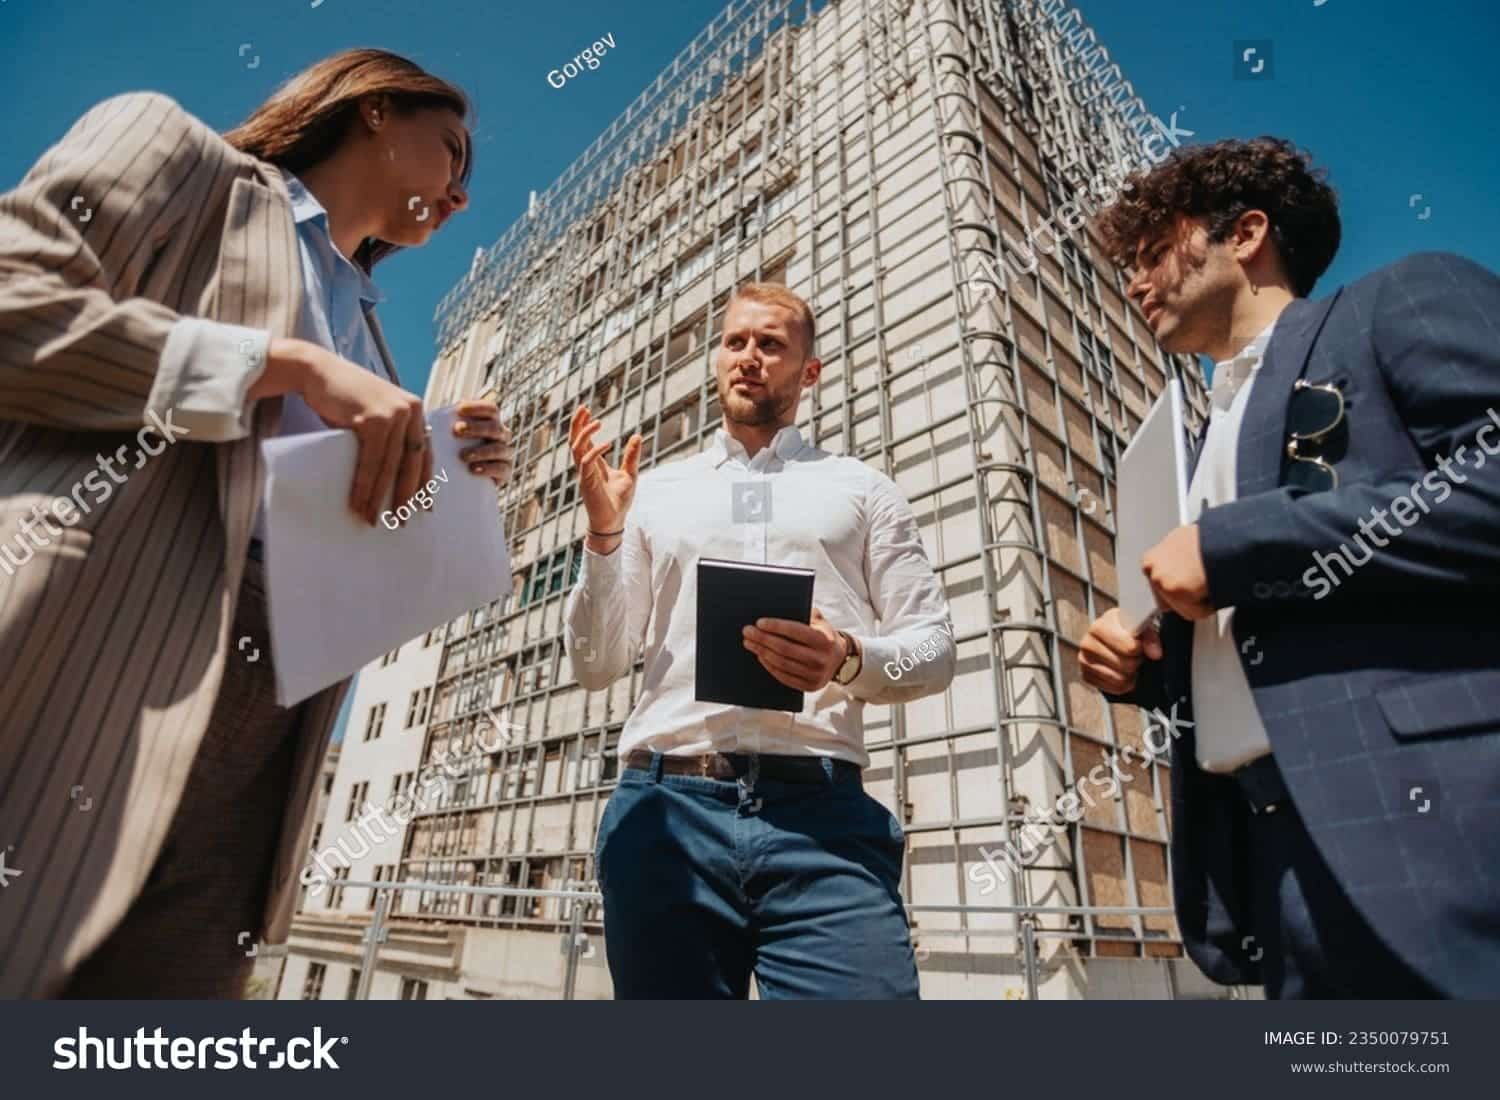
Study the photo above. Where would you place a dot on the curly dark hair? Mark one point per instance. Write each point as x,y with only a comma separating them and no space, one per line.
1218,182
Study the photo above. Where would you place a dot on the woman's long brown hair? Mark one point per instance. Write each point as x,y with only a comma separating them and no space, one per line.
307,118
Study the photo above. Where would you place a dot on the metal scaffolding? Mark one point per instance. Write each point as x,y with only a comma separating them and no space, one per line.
876,156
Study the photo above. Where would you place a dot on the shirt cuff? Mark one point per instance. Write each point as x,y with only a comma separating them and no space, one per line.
606,566
872,677
207,367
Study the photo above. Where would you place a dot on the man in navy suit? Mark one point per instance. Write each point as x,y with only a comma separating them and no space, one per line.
1328,655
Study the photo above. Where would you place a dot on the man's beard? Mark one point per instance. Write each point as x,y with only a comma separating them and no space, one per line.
765,408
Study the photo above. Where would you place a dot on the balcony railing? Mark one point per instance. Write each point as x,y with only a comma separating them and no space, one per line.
578,901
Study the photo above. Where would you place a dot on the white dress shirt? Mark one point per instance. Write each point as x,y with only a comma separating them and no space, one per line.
1227,725
792,504
230,357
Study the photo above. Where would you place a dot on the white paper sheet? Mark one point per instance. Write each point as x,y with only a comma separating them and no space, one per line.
341,592
1151,500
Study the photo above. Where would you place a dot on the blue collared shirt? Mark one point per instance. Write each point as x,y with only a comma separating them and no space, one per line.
334,293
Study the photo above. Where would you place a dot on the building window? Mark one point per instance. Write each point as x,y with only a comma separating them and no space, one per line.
474,693
561,492
417,705
413,990
611,766
535,672
400,784
529,759
513,880
353,989
357,795
593,763
390,658
312,988
379,877
536,879
336,892
375,722
695,265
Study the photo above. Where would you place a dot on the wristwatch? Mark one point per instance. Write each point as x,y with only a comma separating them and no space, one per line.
852,660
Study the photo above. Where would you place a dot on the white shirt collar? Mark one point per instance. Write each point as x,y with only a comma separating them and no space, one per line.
784,444
1232,373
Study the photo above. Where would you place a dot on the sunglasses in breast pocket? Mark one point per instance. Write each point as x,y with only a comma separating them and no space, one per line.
1314,411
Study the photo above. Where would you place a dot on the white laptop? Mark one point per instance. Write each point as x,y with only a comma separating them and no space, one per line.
1152,499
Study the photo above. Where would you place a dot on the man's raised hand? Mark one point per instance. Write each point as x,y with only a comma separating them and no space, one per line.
607,491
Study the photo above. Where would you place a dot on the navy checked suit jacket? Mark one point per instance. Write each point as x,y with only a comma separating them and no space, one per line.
1377,672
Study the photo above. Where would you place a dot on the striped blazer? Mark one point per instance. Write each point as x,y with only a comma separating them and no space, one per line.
114,628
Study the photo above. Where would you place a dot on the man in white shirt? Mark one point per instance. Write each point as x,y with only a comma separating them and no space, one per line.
1333,730
740,839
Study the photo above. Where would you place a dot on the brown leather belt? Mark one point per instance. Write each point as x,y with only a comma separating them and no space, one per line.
732,765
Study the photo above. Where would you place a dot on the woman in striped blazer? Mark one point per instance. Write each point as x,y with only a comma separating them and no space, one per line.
174,296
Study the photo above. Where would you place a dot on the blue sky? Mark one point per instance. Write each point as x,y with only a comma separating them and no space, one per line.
1396,99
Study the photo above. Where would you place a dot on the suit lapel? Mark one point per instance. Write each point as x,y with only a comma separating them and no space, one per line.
1262,441
257,283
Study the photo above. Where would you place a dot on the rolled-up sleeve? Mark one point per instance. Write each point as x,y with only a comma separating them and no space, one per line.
913,655
207,367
